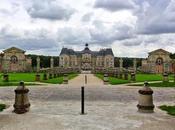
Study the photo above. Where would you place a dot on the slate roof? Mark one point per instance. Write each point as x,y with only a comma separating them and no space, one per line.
102,52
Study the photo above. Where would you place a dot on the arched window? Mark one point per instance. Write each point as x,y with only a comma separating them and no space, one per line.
14,59
159,61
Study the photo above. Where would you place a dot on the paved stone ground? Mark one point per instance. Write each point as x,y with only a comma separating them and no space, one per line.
57,107
91,80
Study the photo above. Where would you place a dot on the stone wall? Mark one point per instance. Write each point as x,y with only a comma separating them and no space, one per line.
14,60
158,61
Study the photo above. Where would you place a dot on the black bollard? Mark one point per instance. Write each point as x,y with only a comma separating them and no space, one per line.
82,101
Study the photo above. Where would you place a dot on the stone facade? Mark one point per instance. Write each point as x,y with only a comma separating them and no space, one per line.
86,59
14,60
158,61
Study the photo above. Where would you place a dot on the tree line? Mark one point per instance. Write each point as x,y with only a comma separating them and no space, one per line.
44,60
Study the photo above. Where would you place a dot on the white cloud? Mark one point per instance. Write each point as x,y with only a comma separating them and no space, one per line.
50,10
131,27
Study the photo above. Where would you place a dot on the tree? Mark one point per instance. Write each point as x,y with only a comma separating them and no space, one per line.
45,60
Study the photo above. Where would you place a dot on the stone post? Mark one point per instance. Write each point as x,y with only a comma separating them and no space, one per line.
50,75
54,75
133,77
5,77
165,77
135,65
65,79
121,75
45,76
22,104
126,75
38,64
105,79
116,75
51,63
145,104
37,78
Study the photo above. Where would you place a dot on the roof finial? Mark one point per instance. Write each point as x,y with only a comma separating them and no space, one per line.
86,44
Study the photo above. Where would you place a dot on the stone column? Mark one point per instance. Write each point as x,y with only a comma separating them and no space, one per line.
121,64
38,64
121,68
135,65
51,63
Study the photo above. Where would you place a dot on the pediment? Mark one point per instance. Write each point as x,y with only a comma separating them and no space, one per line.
159,51
14,49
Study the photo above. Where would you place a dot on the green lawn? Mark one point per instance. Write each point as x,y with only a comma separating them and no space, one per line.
113,80
139,78
158,84
148,77
17,77
2,107
29,79
15,84
59,80
170,109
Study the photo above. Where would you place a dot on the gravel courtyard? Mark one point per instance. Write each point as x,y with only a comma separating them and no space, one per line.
57,107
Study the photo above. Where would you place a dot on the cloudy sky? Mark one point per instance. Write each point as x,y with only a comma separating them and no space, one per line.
130,27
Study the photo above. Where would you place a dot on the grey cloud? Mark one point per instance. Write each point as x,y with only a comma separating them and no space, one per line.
157,18
69,35
158,40
87,17
115,5
108,34
27,42
132,42
99,34
50,10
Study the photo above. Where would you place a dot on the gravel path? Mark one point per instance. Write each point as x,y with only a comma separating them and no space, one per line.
80,80
118,93
57,107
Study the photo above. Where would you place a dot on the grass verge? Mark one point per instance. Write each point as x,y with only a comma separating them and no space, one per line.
15,84
112,80
169,109
157,84
59,80
2,107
